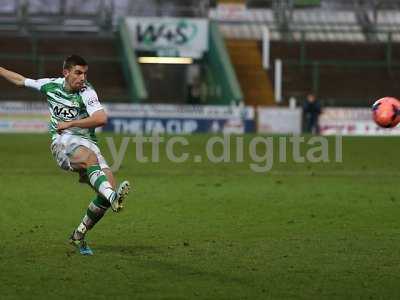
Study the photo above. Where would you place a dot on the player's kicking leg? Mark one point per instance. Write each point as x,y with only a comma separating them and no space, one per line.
103,182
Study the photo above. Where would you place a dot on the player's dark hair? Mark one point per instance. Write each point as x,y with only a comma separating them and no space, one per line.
74,60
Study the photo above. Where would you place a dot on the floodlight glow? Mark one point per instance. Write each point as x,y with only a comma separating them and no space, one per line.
165,60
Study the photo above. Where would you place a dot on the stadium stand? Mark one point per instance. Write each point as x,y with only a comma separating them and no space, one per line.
330,47
255,82
323,44
341,81
87,28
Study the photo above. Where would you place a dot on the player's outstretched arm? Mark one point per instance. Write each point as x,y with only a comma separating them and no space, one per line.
13,77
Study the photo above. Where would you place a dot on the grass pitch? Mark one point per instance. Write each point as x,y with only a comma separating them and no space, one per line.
205,230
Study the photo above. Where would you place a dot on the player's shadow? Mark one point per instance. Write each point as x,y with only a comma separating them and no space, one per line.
131,250
163,266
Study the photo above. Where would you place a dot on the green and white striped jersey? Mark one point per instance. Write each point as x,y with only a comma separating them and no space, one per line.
67,106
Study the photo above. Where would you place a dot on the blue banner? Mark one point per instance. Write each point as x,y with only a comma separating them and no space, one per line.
134,125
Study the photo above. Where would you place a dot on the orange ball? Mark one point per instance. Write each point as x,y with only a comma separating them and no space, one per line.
386,112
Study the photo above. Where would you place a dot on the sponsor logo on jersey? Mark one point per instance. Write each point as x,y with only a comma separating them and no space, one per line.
64,112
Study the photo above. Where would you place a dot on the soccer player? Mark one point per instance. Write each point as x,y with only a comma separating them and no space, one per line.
75,113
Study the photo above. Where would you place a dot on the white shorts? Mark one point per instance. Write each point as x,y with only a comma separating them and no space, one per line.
64,145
